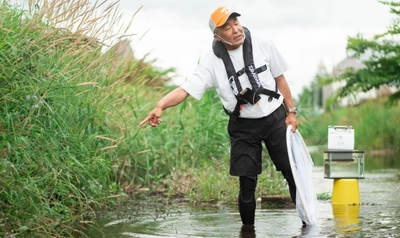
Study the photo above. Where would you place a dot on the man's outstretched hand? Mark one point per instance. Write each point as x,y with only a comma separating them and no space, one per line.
154,118
171,99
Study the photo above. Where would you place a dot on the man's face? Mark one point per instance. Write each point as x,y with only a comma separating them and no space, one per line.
231,31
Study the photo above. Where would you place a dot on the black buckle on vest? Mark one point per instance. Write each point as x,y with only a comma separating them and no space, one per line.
270,93
235,113
258,70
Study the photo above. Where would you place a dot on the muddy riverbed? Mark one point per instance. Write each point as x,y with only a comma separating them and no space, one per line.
377,216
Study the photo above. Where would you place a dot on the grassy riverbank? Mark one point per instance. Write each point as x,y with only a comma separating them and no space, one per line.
60,125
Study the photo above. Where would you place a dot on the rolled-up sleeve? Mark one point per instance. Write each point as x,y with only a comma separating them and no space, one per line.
277,63
199,81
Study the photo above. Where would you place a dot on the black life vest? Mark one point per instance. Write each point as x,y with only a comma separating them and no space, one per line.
247,95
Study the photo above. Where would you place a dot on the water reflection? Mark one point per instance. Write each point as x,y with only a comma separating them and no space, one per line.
377,216
346,217
247,232
224,221
311,231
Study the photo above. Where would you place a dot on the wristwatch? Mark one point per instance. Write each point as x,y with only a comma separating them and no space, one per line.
292,110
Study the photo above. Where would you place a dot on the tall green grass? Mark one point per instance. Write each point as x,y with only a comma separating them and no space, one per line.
59,128
375,124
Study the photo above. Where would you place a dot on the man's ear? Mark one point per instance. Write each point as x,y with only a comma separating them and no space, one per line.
216,37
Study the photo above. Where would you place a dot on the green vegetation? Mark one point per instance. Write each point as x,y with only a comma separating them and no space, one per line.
376,125
324,196
60,124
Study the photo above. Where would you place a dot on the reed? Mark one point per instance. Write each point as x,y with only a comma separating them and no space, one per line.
59,134
69,114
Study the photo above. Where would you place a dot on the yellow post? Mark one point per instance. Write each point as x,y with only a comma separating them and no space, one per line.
345,191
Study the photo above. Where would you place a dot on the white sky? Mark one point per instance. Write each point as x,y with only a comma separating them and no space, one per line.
306,32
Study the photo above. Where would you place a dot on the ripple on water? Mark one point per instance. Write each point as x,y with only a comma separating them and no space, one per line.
377,216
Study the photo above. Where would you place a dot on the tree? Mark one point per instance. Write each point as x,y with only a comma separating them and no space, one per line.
382,63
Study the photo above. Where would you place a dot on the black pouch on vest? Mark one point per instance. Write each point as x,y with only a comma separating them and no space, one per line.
249,96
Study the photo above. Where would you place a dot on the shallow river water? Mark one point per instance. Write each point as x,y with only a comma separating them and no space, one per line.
377,216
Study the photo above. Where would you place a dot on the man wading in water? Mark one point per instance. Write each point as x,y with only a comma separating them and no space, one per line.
247,73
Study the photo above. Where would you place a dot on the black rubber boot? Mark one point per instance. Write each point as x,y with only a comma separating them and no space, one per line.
246,199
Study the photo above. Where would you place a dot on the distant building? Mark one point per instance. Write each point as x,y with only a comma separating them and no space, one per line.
328,90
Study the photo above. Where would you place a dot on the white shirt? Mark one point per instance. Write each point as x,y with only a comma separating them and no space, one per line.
211,73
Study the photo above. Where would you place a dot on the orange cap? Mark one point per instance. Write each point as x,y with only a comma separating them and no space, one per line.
220,16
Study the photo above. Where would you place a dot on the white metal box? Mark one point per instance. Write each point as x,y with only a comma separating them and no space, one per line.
340,138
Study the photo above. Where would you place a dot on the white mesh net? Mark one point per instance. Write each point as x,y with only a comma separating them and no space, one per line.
301,165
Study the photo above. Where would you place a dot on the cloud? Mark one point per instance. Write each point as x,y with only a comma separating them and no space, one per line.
306,32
